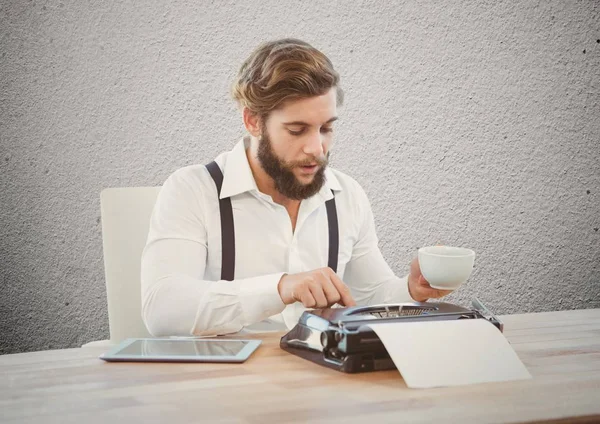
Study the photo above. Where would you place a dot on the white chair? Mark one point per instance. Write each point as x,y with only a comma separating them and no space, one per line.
125,220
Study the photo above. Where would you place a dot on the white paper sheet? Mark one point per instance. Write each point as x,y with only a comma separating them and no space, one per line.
450,353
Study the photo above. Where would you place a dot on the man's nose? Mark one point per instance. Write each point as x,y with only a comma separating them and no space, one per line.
314,145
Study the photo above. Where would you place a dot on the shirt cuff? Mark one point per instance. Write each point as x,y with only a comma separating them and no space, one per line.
260,298
403,292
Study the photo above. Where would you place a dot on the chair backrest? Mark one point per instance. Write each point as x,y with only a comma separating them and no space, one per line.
125,220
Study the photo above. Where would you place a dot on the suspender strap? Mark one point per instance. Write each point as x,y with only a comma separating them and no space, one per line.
227,228
334,236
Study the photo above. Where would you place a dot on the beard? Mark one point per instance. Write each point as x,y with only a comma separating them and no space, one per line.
282,173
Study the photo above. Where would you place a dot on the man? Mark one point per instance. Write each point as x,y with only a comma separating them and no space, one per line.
280,244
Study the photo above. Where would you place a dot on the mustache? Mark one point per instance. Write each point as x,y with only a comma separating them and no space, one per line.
321,161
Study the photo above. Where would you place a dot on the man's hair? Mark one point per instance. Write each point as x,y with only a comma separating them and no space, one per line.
282,70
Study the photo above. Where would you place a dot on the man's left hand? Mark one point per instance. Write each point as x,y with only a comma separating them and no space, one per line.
419,288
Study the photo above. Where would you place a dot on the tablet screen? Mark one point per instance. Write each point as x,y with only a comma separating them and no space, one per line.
183,348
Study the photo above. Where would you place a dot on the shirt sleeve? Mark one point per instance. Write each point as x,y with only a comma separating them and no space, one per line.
176,300
368,275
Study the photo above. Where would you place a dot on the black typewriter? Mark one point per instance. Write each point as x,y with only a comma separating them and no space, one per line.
338,337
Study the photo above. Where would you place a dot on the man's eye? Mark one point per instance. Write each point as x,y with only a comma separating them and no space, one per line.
300,132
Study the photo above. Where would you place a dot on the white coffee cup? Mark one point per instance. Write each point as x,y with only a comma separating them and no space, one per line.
446,267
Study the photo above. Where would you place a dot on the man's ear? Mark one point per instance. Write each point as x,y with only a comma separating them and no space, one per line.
251,122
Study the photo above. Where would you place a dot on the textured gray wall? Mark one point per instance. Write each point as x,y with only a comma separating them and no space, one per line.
474,123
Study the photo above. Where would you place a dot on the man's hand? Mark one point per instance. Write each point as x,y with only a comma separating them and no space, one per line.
418,287
319,288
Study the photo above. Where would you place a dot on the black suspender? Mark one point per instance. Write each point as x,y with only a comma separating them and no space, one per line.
228,233
334,236
227,228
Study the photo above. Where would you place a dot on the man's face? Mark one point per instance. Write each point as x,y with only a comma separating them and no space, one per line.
295,144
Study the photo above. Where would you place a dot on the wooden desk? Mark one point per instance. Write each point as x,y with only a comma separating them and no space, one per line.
560,349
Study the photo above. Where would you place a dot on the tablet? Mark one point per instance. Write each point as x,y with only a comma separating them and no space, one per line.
182,350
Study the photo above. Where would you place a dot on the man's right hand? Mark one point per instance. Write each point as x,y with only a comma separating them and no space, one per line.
319,288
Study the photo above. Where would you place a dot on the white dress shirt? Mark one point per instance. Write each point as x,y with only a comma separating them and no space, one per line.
181,263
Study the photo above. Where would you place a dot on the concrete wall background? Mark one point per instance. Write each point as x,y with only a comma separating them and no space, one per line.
471,123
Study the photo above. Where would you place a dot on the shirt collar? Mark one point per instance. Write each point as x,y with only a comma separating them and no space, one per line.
238,178
237,175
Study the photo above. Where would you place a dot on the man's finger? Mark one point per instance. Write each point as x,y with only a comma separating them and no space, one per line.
317,293
343,290
307,299
331,292
426,289
423,282
434,293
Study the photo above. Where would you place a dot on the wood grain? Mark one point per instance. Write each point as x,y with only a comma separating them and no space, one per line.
560,349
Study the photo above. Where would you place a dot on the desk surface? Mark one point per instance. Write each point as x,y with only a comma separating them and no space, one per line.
560,349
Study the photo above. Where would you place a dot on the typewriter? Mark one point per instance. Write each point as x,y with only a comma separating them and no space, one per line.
338,337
